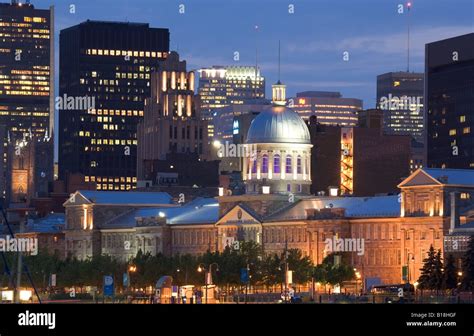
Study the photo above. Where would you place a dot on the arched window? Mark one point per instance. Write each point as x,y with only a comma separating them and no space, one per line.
254,166
288,164
276,164
265,164
298,165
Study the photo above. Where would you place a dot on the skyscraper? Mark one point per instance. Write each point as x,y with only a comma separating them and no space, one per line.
26,68
400,96
330,108
26,87
221,86
450,102
105,74
172,126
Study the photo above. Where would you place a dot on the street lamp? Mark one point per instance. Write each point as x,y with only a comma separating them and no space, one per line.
130,269
408,265
358,276
207,274
459,278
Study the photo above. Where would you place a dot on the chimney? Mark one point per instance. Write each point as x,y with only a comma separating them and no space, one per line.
454,200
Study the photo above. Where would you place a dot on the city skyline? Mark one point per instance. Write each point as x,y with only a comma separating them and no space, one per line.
306,63
386,44
219,152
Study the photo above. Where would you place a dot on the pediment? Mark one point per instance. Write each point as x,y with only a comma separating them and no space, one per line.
419,178
238,215
76,199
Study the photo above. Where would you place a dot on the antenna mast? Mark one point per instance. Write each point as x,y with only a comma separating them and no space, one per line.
408,37
279,61
256,62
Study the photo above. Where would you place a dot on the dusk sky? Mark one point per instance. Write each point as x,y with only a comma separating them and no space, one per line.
313,39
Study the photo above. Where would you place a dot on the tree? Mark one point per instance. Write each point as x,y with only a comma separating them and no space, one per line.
330,273
450,276
467,282
301,266
425,280
272,273
437,278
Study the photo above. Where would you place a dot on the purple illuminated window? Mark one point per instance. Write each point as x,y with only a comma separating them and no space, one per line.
288,165
254,166
276,164
265,164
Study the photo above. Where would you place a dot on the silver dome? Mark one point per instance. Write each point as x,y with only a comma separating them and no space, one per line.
278,124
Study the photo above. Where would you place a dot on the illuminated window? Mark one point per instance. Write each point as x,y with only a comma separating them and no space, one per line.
288,164
254,166
452,132
466,130
462,118
265,164
276,164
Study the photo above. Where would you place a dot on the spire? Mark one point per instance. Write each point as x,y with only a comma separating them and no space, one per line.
279,62
279,89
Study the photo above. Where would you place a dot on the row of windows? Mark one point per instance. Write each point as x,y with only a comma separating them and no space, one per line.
382,257
192,237
128,113
106,52
276,164
115,187
121,179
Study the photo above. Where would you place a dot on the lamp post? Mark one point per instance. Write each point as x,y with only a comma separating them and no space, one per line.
130,269
459,278
208,273
358,276
408,265
415,285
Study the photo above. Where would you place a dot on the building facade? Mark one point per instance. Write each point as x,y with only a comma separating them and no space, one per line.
105,77
221,86
27,73
400,96
330,108
358,161
26,83
385,237
172,124
449,70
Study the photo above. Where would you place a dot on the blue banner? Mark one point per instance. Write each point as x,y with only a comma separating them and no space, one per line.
108,285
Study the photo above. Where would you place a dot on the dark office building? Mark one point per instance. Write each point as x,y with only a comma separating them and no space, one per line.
26,71
400,96
105,74
358,161
450,102
26,83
